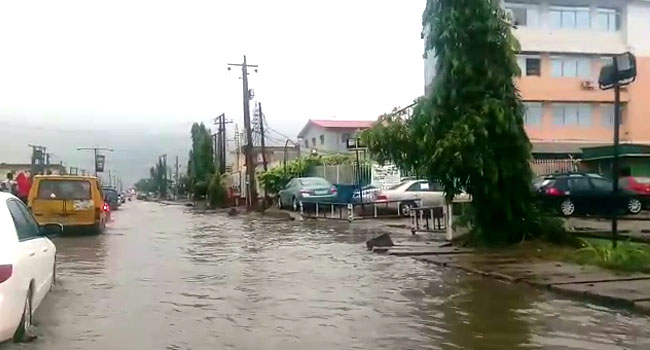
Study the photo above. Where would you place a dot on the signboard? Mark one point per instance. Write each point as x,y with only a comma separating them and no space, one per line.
384,176
99,163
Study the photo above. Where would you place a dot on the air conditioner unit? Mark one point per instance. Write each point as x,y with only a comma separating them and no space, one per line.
588,84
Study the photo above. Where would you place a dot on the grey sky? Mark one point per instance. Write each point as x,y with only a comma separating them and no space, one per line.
136,64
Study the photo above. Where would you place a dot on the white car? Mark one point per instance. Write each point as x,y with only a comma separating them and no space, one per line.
412,193
27,266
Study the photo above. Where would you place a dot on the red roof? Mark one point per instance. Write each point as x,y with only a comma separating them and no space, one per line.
338,124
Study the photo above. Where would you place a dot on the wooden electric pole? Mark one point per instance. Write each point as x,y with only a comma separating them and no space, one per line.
248,150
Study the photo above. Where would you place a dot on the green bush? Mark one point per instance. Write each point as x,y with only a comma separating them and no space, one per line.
217,194
627,256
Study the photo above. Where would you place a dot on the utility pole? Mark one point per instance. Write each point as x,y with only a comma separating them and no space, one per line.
176,179
164,157
95,149
219,140
263,144
110,179
250,163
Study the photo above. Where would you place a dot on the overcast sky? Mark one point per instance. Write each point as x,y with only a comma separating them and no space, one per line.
156,64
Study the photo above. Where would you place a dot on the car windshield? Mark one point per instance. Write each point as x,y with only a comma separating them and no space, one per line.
314,182
64,189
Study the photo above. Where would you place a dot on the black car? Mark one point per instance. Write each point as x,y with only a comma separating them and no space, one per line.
583,193
111,197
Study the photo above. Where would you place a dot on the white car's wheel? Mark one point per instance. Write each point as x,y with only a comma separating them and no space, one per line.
279,202
24,328
567,208
294,204
634,206
405,208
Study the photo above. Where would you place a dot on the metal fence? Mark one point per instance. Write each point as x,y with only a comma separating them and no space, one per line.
343,174
550,166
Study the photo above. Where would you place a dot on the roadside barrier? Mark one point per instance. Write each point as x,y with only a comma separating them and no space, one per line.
352,211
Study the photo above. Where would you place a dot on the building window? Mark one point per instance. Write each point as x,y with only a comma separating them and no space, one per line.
306,143
570,17
608,20
533,113
572,114
313,141
529,65
607,115
571,67
523,15
322,139
345,137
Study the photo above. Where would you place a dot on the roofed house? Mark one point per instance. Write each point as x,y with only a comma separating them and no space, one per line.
329,136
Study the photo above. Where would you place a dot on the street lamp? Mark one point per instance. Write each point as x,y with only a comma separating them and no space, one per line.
621,72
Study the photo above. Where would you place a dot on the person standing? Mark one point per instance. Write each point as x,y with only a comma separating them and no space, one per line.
23,185
9,184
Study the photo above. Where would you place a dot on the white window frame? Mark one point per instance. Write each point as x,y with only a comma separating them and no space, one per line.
521,61
568,12
571,62
531,118
583,115
607,115
613,19
533,13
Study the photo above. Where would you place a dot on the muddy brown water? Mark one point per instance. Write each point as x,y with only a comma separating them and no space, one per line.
163,277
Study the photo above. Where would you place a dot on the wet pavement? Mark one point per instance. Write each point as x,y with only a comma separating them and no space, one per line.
163,277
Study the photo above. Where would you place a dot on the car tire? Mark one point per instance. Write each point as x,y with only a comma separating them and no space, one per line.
405,208
634,206
22,334
567,208
294,204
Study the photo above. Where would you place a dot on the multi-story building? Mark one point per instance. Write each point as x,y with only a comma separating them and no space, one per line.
564,43
330,136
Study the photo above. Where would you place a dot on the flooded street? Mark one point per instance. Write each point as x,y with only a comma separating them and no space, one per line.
163,277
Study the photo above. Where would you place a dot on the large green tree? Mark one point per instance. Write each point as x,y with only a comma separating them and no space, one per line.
158,179
200,166
469,132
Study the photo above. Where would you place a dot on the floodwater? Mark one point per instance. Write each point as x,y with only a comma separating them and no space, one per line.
163,277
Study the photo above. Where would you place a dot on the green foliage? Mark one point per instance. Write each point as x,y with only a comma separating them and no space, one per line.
216,192
469,134
200,166
157,179
273,180
145,185
627,256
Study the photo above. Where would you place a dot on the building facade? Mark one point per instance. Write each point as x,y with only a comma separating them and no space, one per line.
329,136
564,43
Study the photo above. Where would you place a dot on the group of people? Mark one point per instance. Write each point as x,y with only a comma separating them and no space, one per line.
18,186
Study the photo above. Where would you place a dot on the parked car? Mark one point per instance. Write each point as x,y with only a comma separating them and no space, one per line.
411,192
584,193
74,201
112,197
306,189
27,266
638,185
